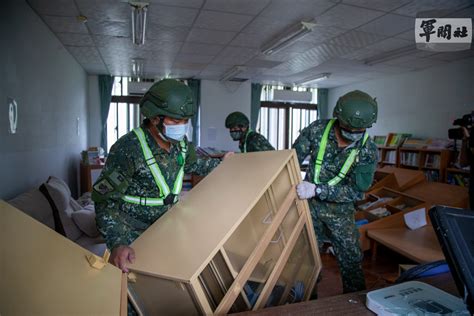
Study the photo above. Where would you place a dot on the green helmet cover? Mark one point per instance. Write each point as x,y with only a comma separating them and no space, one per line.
235,119
168,97
356,109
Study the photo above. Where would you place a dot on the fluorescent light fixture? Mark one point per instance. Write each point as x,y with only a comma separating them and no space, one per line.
233,72
287,38
314,79
403,51
138,65
139,13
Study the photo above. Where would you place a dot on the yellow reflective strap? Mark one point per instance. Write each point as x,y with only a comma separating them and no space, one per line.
152,164
157,175
347,164
143,201
245,141
321,151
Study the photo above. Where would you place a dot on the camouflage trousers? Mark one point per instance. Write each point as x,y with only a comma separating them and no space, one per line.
335,223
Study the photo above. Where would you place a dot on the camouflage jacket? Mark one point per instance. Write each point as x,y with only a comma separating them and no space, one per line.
255,142
121,222
357,180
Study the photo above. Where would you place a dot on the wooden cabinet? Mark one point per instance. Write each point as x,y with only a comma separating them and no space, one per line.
89,174
43,273
241,240
394,202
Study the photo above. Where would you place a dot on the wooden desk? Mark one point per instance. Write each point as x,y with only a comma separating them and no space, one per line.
89,174
420,245
441,193
406,178
346,304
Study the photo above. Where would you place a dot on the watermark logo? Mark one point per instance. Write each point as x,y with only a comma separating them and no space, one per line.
443,35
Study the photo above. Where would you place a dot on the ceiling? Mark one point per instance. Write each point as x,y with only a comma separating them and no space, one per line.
205,38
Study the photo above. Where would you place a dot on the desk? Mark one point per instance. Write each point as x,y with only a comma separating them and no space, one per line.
346,304
440,193
420,245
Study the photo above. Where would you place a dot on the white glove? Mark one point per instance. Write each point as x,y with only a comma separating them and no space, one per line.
306,190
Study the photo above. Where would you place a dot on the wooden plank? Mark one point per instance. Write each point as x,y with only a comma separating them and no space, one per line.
420,245
406,178
43,273
213,198
251,263
123,298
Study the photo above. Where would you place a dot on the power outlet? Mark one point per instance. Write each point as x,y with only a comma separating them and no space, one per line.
12,115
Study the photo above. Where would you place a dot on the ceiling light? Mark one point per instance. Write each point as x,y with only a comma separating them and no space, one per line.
390,55
287,38
233,72
139,12
314,79
138,65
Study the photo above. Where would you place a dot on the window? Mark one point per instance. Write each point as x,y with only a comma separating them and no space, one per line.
281,122
124,112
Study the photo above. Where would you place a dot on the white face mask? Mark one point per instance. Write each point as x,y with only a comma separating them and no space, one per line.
176,132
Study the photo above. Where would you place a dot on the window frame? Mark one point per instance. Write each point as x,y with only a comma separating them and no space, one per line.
287,106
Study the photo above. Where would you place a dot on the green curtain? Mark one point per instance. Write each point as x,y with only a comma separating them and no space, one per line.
323,105
105,92
195,85
255,104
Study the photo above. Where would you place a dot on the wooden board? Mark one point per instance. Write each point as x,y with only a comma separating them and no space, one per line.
406,178
179,231
441,193
43,273
420,245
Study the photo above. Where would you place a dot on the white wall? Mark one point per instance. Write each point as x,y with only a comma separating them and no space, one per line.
93,112
50,88
423,103
217,101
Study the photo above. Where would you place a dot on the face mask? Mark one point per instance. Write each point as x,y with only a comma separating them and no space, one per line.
352,136
176,132
236,135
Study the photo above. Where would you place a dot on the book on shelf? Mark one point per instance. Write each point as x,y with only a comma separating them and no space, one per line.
432,160
391,157
458,179
416,143
396,139
432,175
380,140
409,159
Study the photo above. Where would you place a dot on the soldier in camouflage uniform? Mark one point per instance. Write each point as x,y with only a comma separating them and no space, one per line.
144,171
342,165
249,140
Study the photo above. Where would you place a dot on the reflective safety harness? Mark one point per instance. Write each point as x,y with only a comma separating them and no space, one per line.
347,164
166,196
245,141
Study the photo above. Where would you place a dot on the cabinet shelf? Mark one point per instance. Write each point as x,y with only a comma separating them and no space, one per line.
229,253
456,170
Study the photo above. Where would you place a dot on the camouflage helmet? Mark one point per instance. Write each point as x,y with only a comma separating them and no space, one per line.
235,119
168,97
356,109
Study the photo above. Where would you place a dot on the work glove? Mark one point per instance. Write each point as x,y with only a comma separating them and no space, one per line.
306,190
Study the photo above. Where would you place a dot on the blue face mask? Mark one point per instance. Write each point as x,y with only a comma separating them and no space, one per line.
352,136
176,132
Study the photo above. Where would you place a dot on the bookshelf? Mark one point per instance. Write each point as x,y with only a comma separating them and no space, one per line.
433,162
